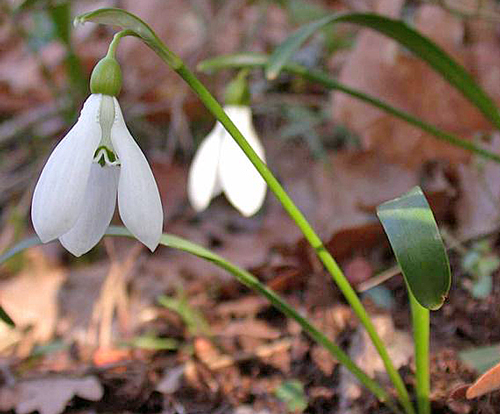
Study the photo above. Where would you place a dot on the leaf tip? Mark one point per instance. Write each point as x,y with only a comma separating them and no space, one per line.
79,20
438,304
203,67
4,316
486,383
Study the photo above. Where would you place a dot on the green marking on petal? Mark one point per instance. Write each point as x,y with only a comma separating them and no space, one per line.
104,156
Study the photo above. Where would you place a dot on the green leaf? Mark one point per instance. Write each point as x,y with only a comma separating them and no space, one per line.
420,45
292,394
418,247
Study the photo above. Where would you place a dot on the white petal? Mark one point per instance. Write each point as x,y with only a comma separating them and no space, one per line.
59,193
203,182
138,197
97,211
242,184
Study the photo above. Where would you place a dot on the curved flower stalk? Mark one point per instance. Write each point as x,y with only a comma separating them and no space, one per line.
75,197
221,166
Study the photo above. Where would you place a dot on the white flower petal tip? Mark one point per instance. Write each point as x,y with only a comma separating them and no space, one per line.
59,193
98,209
203,173
139,200
75,197
242,183
221,165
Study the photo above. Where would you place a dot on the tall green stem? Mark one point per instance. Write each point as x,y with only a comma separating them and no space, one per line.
311,236
420,320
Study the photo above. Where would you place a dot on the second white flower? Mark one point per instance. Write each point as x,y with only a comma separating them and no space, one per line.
220,165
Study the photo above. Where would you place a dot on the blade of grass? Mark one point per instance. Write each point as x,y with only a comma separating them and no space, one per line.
253,283
421,46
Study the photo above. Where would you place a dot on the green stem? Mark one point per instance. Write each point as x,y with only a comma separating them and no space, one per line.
420,320
116,41
246,60
313,239
252,282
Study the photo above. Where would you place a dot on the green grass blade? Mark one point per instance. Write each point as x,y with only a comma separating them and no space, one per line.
253,283
18,248
420,45
414,236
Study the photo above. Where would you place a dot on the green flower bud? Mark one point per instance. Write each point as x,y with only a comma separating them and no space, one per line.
106,77
237,91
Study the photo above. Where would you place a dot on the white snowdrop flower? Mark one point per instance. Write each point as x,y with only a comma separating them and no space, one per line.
220,165
75,197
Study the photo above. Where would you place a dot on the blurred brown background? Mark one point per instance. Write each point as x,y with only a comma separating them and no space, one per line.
338,158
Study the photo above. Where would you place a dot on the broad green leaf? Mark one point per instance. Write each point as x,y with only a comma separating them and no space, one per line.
420,45
414,236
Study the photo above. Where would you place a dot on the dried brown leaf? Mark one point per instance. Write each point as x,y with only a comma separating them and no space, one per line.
51,395
477,205
486,383
30,298
378,66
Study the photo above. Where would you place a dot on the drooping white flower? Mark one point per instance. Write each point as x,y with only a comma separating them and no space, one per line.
75,197
220,165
